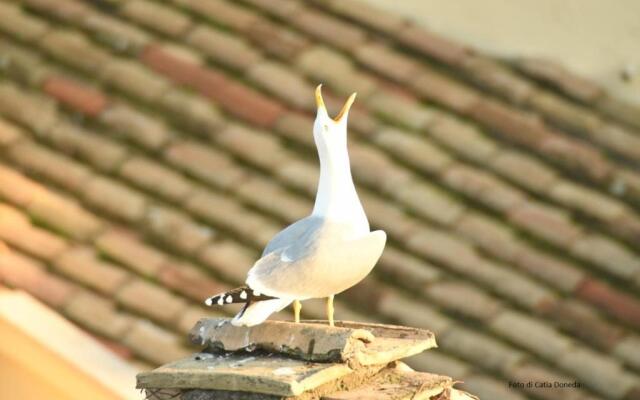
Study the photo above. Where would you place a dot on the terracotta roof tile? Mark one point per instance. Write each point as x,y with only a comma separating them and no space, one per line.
273,199
224,212
509,283
299,174
489,234
628,349
387,62
584,322
115,33
135,80
554,73
69,11
104,154
194,112
462,298
407,311
462,138
279,8
565,113
204,163
620,109
31,239
598,372
222,12
363,13
430,202
328,66
115,199
40,161
373,167
517,126
65,45
496,77
98,314
156,16
413,150
66,216
446,248
618,139
545,221
20,25
443,90
9,133
433,45
559,274
17,189
126,249
531,334
189,281
608,255
154,343
83,265
254,146
480,349
222,47
524,170
33,111
400,111
280,81
296,127
440,363
393,219
623,306
22,272
76,95
483,187
329,29
25,66
177,229
407,270
139,128
151,300
156,178
229,259
276,39
576,156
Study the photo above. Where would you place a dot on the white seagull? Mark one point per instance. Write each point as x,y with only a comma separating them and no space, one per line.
322,254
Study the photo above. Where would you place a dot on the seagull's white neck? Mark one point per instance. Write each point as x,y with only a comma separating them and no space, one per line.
336,198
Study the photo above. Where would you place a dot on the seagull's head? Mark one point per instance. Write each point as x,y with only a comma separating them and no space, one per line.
330,132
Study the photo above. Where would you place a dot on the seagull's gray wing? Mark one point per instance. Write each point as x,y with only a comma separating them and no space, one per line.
315,259
299,231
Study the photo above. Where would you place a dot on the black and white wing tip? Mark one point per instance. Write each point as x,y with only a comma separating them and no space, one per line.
243,294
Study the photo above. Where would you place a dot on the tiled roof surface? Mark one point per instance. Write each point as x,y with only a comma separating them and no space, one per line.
150,149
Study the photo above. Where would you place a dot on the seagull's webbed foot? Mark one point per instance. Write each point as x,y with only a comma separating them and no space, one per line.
297,306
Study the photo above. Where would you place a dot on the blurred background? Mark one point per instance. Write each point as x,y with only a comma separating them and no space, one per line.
150,149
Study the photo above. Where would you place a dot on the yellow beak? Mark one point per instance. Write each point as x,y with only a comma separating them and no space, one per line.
345,108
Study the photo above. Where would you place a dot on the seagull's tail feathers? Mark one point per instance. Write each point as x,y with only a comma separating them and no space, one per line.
243,294
256,313
257,306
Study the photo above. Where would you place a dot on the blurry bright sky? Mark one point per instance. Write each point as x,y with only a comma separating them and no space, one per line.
595,38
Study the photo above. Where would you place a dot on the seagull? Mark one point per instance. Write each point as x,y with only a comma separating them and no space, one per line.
322,254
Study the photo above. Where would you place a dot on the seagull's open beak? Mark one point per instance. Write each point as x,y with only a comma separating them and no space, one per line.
319,101
345,108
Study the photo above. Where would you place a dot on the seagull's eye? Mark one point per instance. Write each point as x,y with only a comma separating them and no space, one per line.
326,128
